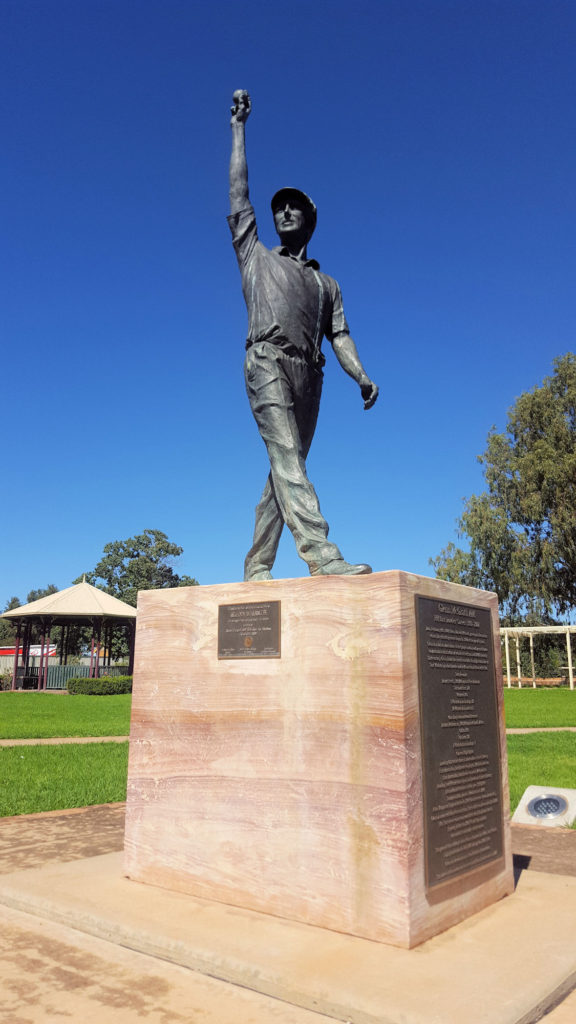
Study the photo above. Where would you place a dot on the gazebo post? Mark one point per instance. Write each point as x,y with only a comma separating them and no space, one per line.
569,653
98,639
47,654
91,672
69,634
16,654
41,662
131,646
532,660
26,649
518,665
507,649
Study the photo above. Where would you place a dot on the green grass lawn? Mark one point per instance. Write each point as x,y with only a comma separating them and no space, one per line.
528,708
542,759
76,775
43,715
68,775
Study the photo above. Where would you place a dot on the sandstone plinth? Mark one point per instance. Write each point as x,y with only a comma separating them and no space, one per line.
293,784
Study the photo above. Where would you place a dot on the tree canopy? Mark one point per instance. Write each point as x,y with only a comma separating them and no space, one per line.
35,595
521,531
7,628
143,562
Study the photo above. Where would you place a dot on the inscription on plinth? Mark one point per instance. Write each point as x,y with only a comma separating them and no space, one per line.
250,630
462,789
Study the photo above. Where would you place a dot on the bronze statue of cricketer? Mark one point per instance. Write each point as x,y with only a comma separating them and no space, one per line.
291,306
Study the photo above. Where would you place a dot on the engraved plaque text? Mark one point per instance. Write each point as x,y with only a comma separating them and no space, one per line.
249,630
462,791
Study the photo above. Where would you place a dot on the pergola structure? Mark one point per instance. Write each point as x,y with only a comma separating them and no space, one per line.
81,604
515,632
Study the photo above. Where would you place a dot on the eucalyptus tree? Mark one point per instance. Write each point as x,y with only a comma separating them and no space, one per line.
521,531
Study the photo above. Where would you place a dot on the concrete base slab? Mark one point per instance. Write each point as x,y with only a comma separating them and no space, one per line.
564,1013
505,965
51,973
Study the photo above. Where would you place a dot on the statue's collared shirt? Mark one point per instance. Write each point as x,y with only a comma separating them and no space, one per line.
290,302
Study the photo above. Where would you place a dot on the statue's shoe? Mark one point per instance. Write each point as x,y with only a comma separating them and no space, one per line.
338,567
255,577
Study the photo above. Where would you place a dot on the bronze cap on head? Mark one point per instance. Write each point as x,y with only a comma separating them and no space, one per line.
286,194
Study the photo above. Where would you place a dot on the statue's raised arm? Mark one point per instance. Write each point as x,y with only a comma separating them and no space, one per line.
240,112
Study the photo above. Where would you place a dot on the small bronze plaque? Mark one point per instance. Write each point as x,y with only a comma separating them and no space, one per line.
462,790
249,630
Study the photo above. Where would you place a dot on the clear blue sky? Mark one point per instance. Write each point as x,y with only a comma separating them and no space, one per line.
438,141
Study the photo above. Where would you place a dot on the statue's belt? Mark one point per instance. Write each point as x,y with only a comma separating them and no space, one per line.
315,359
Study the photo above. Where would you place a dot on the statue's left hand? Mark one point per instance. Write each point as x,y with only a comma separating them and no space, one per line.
369,392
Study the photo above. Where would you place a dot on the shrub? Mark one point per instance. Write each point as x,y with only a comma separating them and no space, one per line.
5,681
100,687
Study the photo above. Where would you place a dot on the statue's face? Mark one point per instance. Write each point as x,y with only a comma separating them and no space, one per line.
290,222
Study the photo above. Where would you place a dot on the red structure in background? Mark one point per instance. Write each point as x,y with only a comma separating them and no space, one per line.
34,652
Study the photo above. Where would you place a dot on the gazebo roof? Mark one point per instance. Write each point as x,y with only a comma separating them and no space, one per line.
77,602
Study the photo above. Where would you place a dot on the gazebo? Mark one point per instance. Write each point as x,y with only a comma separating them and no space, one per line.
515,632
81,604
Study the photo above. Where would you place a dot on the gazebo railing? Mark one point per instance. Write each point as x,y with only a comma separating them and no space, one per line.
58,675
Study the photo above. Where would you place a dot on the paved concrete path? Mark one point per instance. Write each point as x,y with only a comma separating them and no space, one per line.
53,740
57,741
58,837
81,942
546,728
125,739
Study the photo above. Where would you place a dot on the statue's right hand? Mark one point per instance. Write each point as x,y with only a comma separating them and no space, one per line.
369,391
242,107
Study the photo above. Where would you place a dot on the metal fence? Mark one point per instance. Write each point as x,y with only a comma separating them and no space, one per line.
58,675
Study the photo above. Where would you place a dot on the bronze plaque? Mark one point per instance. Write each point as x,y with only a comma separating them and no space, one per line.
249,630
459,727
